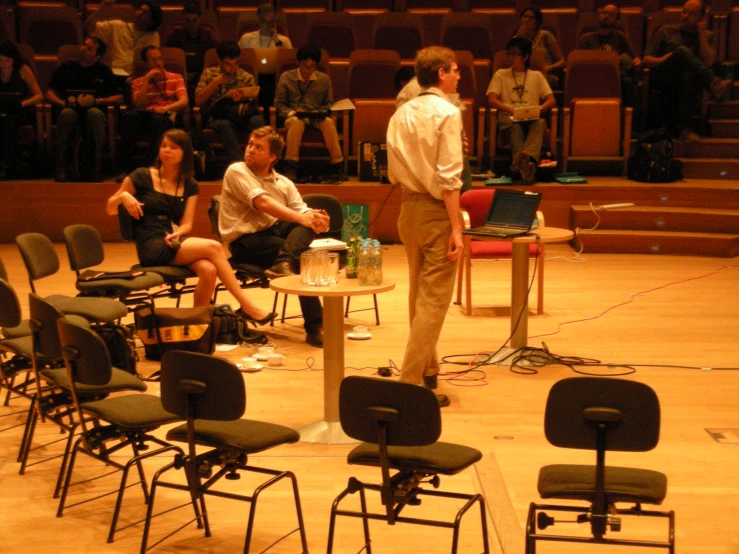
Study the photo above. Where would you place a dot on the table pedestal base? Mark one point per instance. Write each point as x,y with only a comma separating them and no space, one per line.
325,432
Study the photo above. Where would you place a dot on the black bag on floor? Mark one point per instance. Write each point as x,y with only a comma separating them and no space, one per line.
653,160
234,330
165,329
121,345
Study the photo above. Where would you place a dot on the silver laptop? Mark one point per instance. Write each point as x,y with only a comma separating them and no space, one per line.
526,113
512,213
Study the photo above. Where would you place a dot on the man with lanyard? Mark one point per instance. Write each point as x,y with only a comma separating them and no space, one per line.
424,148
266,36
265,222
519,86
86,74
230,94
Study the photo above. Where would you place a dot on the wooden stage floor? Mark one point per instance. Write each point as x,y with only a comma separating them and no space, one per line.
672,320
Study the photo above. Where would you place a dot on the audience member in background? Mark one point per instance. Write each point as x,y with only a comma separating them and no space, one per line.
162,201
519,86
303,99
195,39
157,97
424,152
87,73
17,79
611,39
267,35
409,91
543,44
230,94
682,58
123,38
265,222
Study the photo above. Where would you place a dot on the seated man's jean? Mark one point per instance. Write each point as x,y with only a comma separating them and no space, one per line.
295,129
10,124
95,123
228,133
525,136
141,125
679,80
283,242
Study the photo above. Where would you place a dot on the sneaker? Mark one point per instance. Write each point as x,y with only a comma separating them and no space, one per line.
547,163
281,269
718,88
528,174
520,163
688,135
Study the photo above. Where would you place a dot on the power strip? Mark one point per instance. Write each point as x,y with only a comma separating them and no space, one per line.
615,206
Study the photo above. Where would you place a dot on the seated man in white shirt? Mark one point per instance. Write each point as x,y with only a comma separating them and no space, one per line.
519,86
267,35
265,222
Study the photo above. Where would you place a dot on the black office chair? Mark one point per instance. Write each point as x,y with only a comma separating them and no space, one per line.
7,329
210,393
108,425
85,250
601,414
400,424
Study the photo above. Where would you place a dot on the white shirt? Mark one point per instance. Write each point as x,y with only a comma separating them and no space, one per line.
255,40
241,186
424,145
525,89
122,39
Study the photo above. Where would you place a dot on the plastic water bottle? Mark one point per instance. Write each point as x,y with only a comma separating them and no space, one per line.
363,265
351,259
377,263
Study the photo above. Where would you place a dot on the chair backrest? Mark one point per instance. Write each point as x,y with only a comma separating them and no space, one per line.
733,38
413,417
7,23
596,128
592,74
85,354
287,60
29,56
372,73
562,23
468,31
43,317
174,61
477,204
331,31
212,388
67,53
84,246
628,410
468,82
10,306
3,271
332,206
38,255
47,27
371,119
402,32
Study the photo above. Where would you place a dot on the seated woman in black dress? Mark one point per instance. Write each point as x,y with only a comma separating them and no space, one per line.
162,201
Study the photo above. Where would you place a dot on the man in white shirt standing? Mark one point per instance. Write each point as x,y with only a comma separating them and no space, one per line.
267,35
424,148
265,222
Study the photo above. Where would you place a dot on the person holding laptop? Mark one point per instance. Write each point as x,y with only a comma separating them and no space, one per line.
517,89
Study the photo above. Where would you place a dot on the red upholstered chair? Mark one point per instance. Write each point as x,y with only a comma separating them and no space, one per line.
475,205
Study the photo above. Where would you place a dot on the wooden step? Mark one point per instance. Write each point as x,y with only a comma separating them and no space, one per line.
724,128
724,110
708,148
710,168
657,218
607,241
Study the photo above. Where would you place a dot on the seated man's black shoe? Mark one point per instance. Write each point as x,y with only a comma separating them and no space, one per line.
443,400
315,337
431,381
281,269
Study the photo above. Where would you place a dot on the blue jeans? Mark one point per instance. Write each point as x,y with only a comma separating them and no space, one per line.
66,127
227,131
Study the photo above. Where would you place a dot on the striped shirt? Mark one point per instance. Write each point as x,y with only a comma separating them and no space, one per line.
174,87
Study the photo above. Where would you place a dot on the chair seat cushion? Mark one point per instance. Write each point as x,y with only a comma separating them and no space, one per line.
250,270
131,412
494,249
623,484
105,286
20,345
441,457
244,435
168,272
22,330
119,381
102,310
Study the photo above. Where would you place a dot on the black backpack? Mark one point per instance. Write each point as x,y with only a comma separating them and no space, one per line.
234,330
653,159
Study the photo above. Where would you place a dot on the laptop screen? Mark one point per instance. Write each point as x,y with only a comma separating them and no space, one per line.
513,208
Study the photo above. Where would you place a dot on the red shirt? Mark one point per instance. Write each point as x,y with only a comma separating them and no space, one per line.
156,96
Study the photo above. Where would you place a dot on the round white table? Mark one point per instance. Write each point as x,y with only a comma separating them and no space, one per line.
328,430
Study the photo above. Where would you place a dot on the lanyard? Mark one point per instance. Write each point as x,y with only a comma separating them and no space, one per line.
520,90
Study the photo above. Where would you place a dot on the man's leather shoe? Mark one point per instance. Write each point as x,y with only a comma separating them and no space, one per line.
431,381
315,337
282,269
443,400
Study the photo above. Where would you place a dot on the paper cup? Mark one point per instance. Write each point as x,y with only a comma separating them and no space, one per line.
360,331
275,359
249,363
266,350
